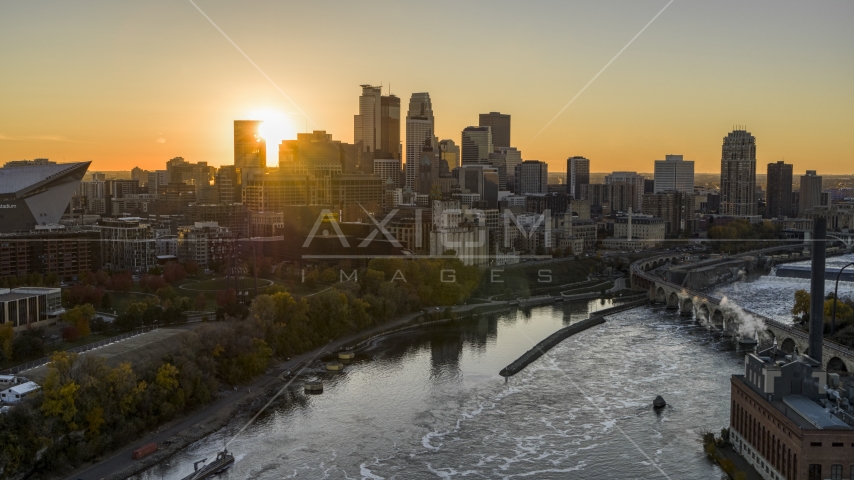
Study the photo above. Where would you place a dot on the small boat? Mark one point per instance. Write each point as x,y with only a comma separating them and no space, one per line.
224,460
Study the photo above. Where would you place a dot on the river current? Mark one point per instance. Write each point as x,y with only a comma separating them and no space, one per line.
429,404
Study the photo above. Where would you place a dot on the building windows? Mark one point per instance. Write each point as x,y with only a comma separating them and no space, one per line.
836,472
852,472
815,444
814,472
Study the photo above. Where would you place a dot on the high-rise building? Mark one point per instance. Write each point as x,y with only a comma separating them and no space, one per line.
476,145
377,126
631,178
250,149
481,180
738,174
227,182
778,199
676,208
449,153
531,176
577,174
506,159
388,169
674,175
499,123
810,196
419,127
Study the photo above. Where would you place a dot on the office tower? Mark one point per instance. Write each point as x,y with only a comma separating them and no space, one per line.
449,153
500,125
577,174
427,175
476,145
621,196
676,208
648,186
810,195
481,180
531,176
377,126
227,182
250,149
506,159
388,169
310,153
674,175
738,174
778,199
419,127
631,178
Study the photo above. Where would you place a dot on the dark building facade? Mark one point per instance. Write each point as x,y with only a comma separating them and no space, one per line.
500,125
778,201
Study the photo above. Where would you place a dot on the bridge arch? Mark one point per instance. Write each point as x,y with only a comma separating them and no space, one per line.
836,364
673,301
717,319
788,345
703,313
660,295
687,307
731,325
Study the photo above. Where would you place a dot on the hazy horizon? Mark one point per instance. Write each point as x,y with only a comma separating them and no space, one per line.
129,85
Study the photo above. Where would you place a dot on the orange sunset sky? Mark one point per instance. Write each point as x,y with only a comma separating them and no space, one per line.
135,83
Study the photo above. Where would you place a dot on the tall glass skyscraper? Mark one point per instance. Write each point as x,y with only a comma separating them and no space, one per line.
577,174
250,149
419,127
499,123
738,174
778,197
376,129
476,145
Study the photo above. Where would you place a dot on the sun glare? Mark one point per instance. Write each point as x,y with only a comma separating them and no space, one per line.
277,126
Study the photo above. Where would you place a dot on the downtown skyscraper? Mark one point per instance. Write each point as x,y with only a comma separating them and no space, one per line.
499,123
376,128
419,128
778,196
577,174
476,145
738,174
673,174
250,149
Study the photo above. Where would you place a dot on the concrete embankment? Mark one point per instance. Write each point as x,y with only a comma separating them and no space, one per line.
544,346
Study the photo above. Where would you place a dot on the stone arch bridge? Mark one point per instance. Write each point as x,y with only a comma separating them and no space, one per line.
729,318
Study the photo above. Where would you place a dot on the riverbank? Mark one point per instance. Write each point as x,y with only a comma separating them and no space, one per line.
183,432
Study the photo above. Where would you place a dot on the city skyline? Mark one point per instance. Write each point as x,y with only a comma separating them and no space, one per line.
149,103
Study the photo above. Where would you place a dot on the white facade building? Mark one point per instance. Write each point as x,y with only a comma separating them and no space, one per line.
18,393
673,174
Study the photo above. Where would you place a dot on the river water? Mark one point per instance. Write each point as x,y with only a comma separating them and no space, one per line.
429,404
774,296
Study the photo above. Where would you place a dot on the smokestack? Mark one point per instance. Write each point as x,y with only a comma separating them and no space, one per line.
819,236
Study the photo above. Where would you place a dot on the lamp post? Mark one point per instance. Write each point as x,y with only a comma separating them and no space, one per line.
835,293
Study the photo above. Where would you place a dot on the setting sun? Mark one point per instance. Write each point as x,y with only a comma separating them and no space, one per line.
277,126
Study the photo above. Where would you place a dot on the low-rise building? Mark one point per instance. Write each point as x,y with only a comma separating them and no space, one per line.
18,393
25,307
782,422
636,232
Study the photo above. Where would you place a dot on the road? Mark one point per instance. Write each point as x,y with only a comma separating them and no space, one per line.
121,460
